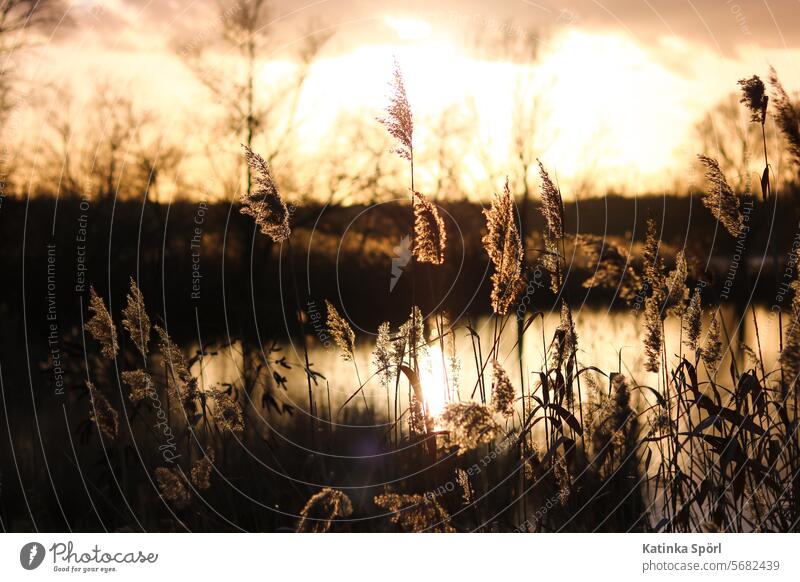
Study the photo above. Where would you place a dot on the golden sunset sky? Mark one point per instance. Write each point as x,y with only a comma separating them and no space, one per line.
625,80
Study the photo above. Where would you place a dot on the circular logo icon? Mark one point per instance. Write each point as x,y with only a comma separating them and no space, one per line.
31,555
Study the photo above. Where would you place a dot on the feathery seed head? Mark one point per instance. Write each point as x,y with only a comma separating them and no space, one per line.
653,316
398,119
228,413
712,351
102,413
611,267
383,356
755,98
677,292
430,236
322,509
653,263
502,391
787,116
179,381
135,319
720,199
264,204
415,513
552,209
201,471
140,384
101,326
692,322
340,330
504,247
469,423
173,487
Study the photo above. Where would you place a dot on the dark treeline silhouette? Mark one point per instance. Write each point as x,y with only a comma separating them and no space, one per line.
197,259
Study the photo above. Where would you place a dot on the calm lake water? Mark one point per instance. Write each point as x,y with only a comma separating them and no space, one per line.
608,340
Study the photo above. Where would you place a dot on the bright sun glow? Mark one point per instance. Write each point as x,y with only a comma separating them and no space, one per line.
409,28
434,380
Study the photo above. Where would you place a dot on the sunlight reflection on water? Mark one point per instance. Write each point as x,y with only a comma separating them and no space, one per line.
610,341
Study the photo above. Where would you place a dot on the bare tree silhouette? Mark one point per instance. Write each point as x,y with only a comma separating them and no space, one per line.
246,34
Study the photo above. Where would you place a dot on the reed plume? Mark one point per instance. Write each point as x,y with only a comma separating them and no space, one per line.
412,333
754,97
102,413
418,419
609,418
611,267
562,478
692,324
552,209
179,381
653,330
264,203
135,319
201,471
416,513
343,335
398,119
228,413
462,478
565,338
787,116
430,236
720,199
323,509
676,291
502,391
140,384
712,350
101,326
469,424
504,247
653,263
173,487
383,356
